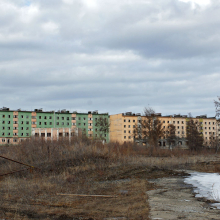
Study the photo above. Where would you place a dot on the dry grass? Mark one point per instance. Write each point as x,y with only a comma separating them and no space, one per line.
86,167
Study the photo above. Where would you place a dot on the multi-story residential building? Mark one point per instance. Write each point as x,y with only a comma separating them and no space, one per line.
16,126
121,127
90,126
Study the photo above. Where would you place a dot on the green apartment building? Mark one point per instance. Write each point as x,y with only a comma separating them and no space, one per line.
16,126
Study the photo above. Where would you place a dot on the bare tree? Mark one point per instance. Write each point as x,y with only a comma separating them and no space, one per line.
193,134
102,128
171,136
149,128
217,116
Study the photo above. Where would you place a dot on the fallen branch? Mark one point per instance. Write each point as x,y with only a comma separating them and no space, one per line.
82,195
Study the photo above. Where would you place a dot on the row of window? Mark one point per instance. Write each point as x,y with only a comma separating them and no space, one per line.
128,120
40,117
129,126
14,134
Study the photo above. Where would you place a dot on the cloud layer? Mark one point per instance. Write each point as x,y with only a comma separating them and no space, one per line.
114,56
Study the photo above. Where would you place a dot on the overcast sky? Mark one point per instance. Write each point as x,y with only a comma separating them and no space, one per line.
110,55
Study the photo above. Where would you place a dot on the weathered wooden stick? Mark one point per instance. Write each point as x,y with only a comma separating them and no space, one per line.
83,195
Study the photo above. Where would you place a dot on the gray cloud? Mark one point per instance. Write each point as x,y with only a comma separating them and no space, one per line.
113,55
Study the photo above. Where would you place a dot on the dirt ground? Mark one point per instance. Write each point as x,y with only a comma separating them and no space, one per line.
136,192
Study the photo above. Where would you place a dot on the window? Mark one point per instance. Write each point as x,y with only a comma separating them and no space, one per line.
209,123
3,116
168,122
73,123
22,116
178,127
15,128
178,122
133,120
39,123
45,123
22,128
129,137
213,128
84,124
205,123
15,134
163,126
3,128
182,127
27,122
62,123
73,118
124,126
3,122
27,116
213,123
9,122
129,120
84,119
15,116
27,134
9,134
50,123
182,132
33,117
124,137
8,128
33,123
9,116
57,123
80,118
3,139
205,132
163,121
58,118
62,118
39,117
173,122
45,117
15,122
124,120
133,126
124,131
129,126
209,128
129,131
79,124
22,122
3,134
15,139
68,118
205,127
50,117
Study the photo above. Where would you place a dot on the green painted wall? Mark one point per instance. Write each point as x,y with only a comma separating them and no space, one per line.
82,122
6,124
24,124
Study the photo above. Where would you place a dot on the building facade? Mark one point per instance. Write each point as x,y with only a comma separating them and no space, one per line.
16,126
122,125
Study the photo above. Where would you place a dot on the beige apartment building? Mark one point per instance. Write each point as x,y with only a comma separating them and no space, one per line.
122,125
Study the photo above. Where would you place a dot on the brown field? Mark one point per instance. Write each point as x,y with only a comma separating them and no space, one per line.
110,180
